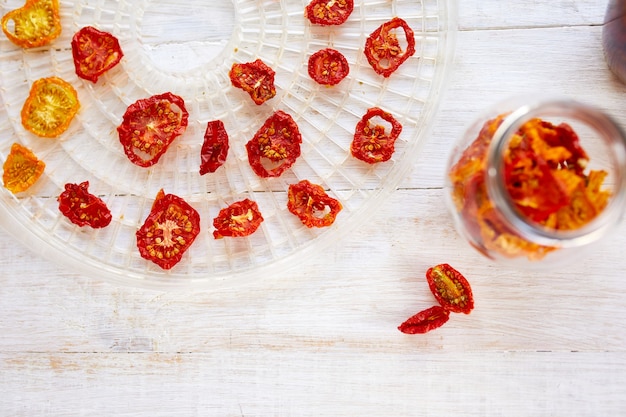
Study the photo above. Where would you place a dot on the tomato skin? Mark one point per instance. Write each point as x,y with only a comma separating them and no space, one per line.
329,12
450,288
383,50
83,208
425,321
55,98
371,142
215,147
21,169
168,231
255,78
306,198
328,67
237,220
35,24
94,52
150,125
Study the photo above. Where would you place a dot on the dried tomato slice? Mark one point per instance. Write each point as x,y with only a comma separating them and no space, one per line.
425,321
21,169
312,205
450,288
329,12
237,220
255,78
383,49
328,67
373,142
83,208
50,107
169,230
275,146
215,147
37,23
94,52
150,125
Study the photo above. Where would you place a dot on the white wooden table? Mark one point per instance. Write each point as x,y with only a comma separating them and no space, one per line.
322,341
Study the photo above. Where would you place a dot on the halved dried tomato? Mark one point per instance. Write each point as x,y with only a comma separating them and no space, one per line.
37,23
94,52
21,169
312,205
150,125
169,230
383,49
255,78
450,288
83,208
328,66
329,12
275,146
215,147
237,220
50,107
373,142
425,321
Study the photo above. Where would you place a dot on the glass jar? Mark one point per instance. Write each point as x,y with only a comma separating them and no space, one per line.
614,37
534,182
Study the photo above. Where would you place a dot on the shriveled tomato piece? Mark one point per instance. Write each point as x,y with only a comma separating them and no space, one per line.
450,288
215,147
312,205
21,169
169,230
83,208
374,142
50,107
37,23
425,321
150,125
255,78
275,146
237,220
328,66
329,12
94,52
384,51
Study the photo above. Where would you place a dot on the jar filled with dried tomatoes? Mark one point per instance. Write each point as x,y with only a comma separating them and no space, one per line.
537,181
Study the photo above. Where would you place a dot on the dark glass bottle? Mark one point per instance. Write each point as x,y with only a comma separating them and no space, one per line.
614,37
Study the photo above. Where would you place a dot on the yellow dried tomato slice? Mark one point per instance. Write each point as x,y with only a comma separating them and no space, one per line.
21,169
50,107
37,23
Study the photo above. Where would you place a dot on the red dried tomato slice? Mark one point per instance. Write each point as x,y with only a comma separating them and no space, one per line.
255,78
425,321
94,52
83,208
215,147
237,220
328,66
383,49
312,205
329,12
275,146
150,125
450,288
373,142
169,230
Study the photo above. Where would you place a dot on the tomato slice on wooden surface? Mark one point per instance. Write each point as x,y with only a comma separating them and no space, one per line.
237,220
83,208
328,67
329,12
312,205
37,23
150,125
373,142
94,52
215,147
21,169
450,288
384,51
275,146
425,321
50,107
255,78
169,230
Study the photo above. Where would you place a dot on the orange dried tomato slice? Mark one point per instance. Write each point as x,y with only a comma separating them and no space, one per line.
312,205
37,23
50,107
21,169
